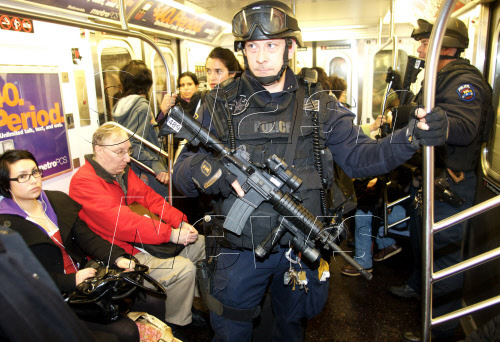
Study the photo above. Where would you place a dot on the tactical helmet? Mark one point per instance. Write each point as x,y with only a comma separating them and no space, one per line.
455,36
264,20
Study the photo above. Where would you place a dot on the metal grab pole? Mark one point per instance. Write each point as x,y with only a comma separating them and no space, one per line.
431,65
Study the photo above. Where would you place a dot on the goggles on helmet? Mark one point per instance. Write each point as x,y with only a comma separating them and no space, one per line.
423,31
270,20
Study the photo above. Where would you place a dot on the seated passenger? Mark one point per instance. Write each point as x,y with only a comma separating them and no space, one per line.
105,186
133,112
49,224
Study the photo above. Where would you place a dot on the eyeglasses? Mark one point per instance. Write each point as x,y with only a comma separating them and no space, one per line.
26,177
121,154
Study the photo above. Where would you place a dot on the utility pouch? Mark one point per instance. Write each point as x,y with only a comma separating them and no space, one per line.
443,193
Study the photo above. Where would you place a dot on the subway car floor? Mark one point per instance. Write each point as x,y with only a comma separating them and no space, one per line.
357,309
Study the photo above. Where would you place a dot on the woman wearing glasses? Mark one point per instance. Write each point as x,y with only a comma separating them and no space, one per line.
49,224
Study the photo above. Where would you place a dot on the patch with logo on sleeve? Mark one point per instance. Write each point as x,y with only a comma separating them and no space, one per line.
466,92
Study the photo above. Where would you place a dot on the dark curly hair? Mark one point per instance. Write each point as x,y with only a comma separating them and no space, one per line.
136,78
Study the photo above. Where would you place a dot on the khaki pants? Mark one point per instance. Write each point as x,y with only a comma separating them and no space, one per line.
178,276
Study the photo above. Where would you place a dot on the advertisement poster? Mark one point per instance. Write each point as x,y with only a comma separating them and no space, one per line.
166,18
32,117
99,8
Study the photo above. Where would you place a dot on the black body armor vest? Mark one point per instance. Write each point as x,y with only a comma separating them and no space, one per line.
265,124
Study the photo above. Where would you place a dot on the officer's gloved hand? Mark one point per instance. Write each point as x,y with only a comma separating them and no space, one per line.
437,133
395,77
211,176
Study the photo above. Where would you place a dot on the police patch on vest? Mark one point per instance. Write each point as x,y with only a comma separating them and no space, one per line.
269,127
206,168
466,92
310,104
239,105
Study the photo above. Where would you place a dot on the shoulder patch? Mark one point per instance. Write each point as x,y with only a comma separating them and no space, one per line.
466,92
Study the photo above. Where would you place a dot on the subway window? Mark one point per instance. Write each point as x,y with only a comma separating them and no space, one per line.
112,60
164,80
492,165
382,62
338,66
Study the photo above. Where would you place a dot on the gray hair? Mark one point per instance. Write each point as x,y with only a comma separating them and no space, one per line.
105,131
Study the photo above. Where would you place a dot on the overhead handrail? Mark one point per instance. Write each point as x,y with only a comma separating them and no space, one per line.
64,20
428,225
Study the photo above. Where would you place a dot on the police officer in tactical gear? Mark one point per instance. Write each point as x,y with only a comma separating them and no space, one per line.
269,110
465,97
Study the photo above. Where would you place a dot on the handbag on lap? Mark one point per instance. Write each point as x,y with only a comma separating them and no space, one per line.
111,292
164,250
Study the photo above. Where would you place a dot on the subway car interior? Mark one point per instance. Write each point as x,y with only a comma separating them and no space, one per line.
60,65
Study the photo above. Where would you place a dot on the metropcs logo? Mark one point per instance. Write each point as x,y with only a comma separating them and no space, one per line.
51,164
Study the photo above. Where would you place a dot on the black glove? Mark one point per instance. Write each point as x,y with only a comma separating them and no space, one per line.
211,176
438,129
395,77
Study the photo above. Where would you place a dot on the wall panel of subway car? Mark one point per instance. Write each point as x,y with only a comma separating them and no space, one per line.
390,240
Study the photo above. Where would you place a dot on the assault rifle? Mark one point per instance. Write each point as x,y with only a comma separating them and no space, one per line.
260,186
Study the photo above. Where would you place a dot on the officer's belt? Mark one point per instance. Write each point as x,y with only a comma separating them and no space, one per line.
234,314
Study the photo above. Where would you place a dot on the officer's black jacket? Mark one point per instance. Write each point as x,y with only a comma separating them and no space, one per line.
255,108
460,92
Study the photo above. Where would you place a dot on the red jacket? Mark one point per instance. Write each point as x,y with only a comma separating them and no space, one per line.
105,207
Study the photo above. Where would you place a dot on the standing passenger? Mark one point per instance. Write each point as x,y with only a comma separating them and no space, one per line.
189,96
221,64
133,112
265,105
463,96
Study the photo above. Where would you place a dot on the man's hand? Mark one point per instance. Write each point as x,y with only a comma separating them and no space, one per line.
379,121
429,129
127,264
163,177
184,235
84,274
212,177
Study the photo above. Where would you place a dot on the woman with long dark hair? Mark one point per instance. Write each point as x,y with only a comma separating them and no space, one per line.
221,64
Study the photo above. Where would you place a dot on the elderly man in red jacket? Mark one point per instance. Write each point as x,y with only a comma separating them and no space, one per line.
105,186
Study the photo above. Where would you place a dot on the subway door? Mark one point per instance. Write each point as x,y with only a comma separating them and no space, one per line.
193,58
304,57
376,98
477,22
483,234
37,53
338,59
164,80
110,55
